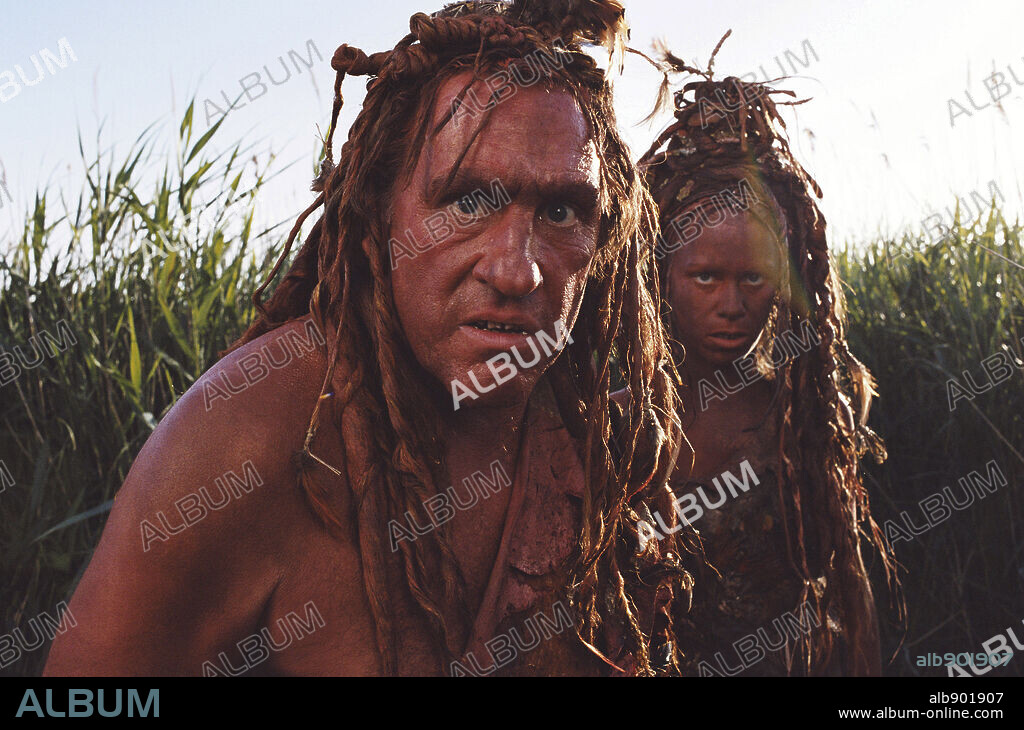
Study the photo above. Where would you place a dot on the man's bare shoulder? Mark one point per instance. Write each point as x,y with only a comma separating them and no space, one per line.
268,385
208,522
251,408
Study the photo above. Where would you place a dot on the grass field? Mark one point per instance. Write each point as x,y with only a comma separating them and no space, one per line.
151,270
918,321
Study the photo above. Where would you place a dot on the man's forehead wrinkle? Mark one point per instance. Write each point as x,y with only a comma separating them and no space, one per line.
577,163
507,110
473,152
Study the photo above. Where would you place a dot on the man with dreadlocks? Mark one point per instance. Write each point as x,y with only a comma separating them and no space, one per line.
745,271
542,575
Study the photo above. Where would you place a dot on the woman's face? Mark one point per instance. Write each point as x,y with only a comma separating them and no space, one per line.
720,286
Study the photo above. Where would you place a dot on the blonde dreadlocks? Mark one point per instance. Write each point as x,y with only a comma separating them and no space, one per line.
729,131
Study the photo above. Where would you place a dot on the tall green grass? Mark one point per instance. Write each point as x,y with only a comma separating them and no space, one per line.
152,268
918,320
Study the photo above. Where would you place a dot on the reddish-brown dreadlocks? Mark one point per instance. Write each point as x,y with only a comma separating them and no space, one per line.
342,277
729,131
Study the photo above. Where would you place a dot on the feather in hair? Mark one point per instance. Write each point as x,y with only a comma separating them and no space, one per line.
600,22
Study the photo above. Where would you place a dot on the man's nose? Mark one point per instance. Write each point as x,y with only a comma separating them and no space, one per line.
509,261
731,306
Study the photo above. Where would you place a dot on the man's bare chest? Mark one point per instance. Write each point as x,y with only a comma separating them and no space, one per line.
318,620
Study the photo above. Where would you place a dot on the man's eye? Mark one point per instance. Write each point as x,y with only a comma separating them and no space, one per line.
753,279
560,214
468,205
704,277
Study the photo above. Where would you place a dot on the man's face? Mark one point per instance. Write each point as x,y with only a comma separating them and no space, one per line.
503,252
721,286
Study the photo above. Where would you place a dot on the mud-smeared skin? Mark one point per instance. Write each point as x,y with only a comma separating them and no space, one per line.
804,420
723,282
526,263
516,261
356,434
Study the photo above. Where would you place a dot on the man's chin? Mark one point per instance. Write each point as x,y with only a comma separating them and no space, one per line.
483,391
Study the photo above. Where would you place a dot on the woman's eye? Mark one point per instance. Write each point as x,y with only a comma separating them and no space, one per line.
560,214
754,279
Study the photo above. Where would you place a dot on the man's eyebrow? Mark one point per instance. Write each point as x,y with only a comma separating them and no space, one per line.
581,192
577,190
465,182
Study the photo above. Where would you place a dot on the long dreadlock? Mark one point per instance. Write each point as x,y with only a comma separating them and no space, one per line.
725,132
372,387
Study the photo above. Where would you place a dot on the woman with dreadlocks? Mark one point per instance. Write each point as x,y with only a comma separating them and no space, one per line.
483,195
769,389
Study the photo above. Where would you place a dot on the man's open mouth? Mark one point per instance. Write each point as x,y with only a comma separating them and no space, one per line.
498,327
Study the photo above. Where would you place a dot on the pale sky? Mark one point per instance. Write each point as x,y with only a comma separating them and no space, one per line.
877,135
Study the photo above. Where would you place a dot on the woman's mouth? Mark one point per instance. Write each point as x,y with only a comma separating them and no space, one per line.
727,340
